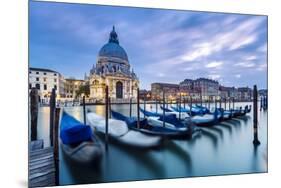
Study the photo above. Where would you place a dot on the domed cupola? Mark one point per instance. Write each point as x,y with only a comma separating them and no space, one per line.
112,49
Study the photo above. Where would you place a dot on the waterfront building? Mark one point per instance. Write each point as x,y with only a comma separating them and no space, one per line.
113,69
187,84
224,92
171,90
45,80
262,92
209,89
245,93
187,90
145,94
71,86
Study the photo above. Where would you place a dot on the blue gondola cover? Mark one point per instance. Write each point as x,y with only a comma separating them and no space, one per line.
72,131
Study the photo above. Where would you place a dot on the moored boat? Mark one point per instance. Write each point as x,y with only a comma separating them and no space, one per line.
78,141
119,132
154,126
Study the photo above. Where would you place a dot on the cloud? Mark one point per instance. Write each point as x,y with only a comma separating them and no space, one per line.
214,64
245,64
250,58
160,75
200,50
238,75
243,41
262,67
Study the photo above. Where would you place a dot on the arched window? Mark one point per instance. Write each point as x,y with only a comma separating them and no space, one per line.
102,69
119,90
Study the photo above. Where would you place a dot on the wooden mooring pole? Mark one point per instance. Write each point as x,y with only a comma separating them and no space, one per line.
201,99
180,107
106,117
130,110
138,108
56,145
109,107
224,103
215,104
52,115
156,101
256,140
229,103
144,105
209,102
190,109
34,112
84,110
163,109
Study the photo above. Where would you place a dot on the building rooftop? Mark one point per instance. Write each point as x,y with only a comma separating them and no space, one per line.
206,79
165,84
42,70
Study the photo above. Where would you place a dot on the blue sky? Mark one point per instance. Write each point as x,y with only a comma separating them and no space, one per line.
162,45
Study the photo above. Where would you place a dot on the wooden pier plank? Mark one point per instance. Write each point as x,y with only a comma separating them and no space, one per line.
41,167
36,144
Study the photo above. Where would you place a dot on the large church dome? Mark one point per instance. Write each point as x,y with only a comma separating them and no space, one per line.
112,48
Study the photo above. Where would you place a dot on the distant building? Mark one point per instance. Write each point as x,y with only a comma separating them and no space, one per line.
245,93
207,87
171,90
262,92
224,92
145,94
187,84
233,93
45,80
113,69
71,86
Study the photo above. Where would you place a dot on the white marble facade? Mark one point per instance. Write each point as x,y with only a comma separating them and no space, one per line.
113,69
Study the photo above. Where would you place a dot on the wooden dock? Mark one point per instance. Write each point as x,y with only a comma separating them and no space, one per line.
41,166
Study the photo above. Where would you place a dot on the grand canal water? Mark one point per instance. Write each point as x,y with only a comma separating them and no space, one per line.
226,148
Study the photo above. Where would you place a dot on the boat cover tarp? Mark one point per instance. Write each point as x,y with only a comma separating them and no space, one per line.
72,131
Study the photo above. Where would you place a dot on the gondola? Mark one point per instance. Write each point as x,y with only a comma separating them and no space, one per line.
227,114
204,109
240,111
154,126
206,120
178,115
193,111
119,133
78,141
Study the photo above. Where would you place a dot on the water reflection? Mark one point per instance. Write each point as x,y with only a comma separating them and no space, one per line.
212,137
217,130
228,126
181,153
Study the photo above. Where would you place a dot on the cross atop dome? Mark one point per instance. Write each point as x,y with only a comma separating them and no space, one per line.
113,36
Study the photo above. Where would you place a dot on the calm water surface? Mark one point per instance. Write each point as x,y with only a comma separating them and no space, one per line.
226,148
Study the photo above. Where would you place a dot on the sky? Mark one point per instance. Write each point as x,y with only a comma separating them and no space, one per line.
162,45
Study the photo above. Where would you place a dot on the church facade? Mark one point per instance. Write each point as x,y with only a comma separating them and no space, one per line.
113,69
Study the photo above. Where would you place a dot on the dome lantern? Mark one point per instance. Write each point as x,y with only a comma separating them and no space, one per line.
113,36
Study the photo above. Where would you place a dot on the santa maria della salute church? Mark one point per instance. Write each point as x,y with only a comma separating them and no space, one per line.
113,69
